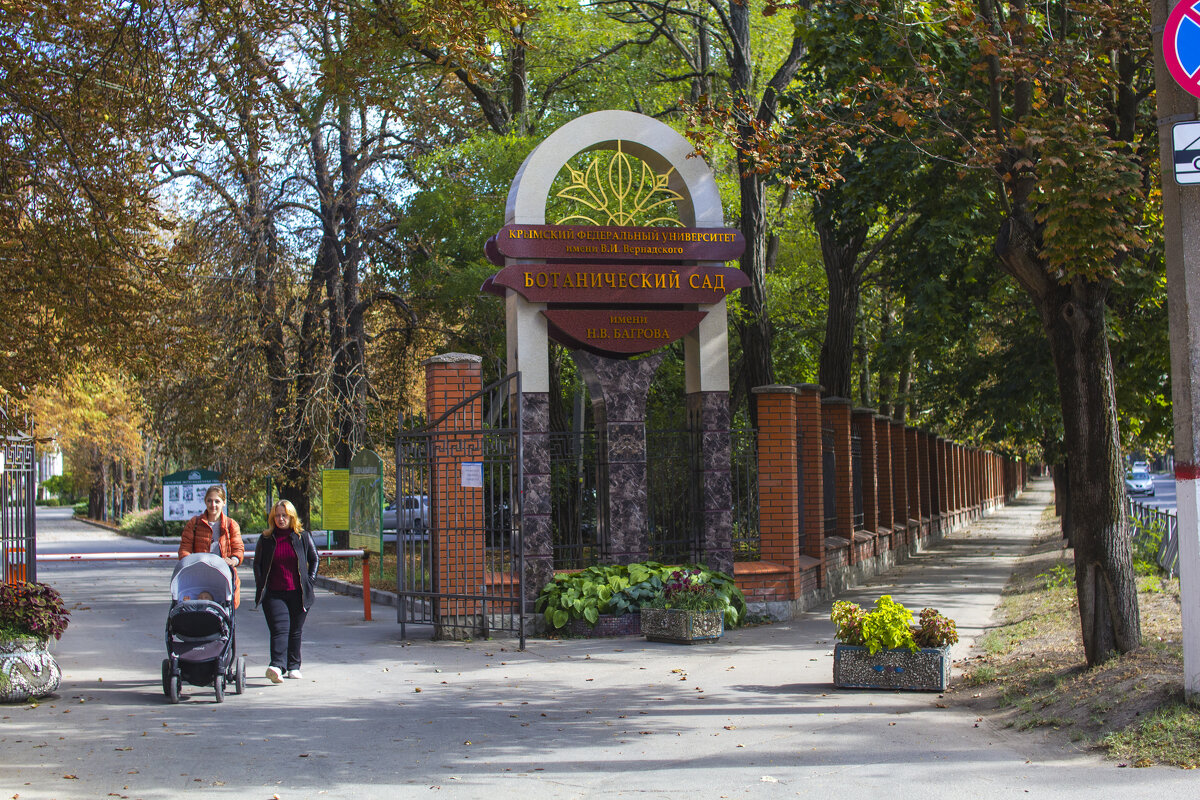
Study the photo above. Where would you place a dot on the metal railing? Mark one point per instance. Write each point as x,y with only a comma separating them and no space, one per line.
1156,525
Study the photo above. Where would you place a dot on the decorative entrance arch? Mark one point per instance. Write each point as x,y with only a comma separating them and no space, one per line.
689,261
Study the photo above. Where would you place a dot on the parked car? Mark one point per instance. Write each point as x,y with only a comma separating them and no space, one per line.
1138,481
413,514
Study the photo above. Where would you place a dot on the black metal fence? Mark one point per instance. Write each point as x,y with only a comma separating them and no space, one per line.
578,492
829,479
856,478
18,522
743,479
673,495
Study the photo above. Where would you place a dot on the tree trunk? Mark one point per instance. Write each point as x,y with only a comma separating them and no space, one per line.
1073,317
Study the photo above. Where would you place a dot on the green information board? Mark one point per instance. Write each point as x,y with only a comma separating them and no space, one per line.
335,499
366,502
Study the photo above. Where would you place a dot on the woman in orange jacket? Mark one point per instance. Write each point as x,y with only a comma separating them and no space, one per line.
201,530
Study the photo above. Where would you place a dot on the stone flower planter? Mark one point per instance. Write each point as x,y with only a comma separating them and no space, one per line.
27,670
926,670
682,627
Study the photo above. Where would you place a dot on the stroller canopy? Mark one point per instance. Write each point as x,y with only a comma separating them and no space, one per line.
202,572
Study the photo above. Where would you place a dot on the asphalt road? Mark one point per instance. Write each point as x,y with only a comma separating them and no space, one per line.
377,716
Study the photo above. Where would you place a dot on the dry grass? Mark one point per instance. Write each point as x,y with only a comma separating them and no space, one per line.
1030,670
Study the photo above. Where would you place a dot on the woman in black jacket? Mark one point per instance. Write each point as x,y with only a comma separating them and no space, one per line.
285,566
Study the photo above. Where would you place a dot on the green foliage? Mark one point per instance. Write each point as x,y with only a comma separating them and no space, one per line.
47,502
32,609
1171,735
80,509
1060,576
889,626
142,524
64,487
624,589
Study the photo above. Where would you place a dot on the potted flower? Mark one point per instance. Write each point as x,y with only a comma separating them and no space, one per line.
688,611
30,613
883,649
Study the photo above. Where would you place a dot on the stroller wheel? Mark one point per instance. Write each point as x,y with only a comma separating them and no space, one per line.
239,681
219,686
171,683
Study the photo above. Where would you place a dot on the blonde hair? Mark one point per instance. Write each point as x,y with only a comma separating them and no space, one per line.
293,517
219,491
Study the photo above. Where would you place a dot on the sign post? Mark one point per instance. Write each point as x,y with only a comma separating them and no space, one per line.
1177,85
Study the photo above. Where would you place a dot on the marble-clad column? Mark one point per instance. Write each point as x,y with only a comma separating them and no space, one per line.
619,388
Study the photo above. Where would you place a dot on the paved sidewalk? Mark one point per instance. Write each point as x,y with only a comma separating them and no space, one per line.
379,717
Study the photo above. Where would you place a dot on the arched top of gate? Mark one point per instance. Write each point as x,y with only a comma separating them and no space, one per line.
654,142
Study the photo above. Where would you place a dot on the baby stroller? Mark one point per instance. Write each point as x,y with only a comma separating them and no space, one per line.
200,629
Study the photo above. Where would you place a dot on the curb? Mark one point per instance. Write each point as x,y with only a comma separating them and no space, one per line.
378,596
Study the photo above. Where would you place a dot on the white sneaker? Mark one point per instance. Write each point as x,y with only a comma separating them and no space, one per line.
293,673
274,674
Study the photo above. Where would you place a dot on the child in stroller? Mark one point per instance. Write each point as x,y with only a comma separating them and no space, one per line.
200,629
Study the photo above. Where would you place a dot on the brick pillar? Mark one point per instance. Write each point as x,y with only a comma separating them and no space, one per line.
899,484
883,471
708,418
779,482
914,476
812,477
836,412
863,420
456,512
924,476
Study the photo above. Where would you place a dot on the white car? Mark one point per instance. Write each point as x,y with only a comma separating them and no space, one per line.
1138,481
413,514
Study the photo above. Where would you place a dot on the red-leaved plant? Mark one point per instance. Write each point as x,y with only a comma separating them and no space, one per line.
32,609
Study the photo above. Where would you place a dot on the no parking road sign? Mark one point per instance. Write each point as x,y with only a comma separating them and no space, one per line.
1181,45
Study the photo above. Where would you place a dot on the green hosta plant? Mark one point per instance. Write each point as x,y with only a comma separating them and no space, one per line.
31,609
889,626
624,589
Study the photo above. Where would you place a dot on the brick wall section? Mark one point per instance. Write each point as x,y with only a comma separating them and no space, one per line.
778,497
914,479
924,475
899,485
456,513
812,480
836,412
883,471
863,420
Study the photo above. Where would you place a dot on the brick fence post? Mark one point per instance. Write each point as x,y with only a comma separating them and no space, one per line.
778,490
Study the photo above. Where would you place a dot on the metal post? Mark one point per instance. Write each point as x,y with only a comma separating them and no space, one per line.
366,581
1181,231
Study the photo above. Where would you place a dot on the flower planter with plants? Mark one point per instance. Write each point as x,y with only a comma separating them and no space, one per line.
30,613
574,603
688,611
883,649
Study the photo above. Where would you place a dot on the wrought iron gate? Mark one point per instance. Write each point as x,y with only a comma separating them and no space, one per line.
460,558
18,523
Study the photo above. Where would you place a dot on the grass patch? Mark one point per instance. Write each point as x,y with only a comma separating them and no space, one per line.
1170,735
1029,672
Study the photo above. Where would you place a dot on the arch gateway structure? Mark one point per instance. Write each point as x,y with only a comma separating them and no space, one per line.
616,293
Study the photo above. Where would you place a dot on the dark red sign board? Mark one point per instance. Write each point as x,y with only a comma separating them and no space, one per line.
617,283
602,243
619,332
